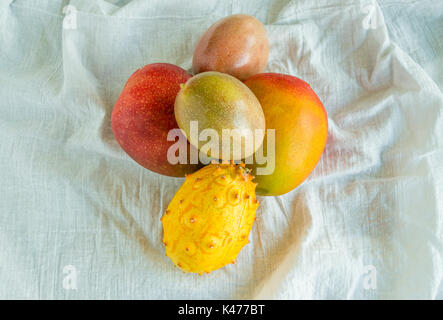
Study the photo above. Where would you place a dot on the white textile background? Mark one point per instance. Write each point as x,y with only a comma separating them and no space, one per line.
367,224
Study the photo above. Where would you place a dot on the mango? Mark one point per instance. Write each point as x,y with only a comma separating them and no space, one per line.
217,102
209,219
300,122
237,45
144,114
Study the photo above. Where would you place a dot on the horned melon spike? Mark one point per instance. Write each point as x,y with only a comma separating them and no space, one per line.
210,228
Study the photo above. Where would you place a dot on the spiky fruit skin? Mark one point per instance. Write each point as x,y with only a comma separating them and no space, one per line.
209,219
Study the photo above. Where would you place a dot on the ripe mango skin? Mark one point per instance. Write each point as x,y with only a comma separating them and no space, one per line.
144,114
237,45
219,101
300,121
209,219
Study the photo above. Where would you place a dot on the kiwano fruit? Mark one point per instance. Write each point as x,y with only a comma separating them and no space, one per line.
209,219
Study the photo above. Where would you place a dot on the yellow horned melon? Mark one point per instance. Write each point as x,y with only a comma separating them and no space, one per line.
209,219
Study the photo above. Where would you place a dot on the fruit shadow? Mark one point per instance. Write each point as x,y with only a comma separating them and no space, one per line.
280,230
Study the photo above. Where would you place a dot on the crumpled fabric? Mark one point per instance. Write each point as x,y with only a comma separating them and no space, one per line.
79,219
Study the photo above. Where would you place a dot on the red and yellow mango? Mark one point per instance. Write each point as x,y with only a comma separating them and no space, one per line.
293,109
144,114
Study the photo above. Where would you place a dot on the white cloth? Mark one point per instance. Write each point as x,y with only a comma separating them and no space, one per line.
80,220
